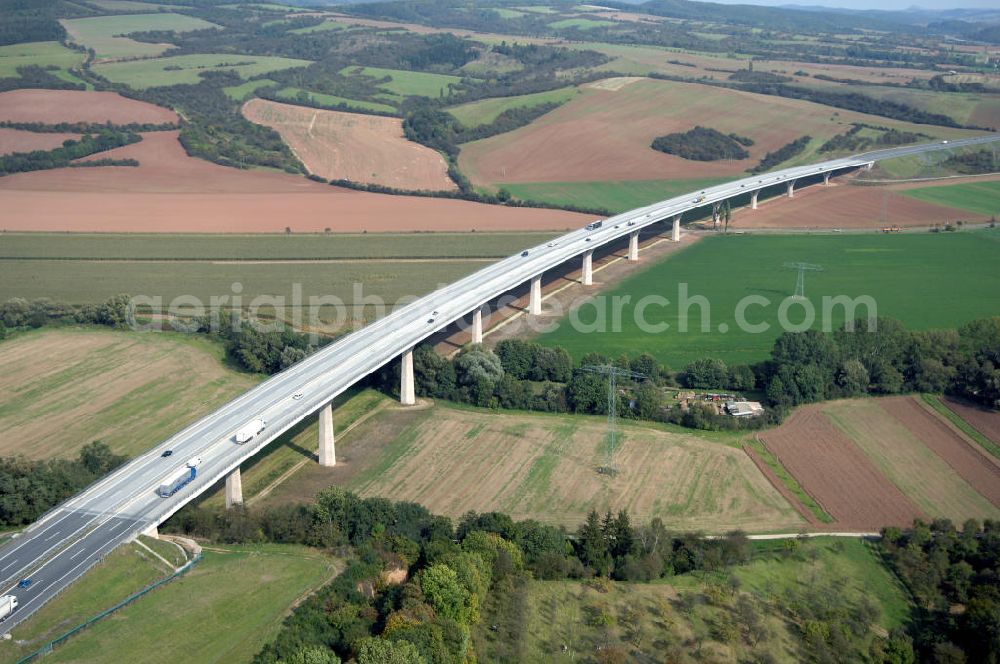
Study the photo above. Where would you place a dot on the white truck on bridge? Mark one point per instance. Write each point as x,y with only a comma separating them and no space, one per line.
7,605
250,430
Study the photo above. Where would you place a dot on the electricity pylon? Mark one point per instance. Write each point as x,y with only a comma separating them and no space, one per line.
800,283
613,373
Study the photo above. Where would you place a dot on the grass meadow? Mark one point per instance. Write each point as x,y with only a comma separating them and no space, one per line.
103,33
486,111
614,195
979,197
42,54
405,83
925,281
223,610
154,72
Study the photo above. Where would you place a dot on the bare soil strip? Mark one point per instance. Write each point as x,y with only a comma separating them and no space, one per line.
787,493
986,422
832,469
972,464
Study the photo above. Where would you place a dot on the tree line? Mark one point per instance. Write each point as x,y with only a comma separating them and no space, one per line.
37,160
952,576
853,141
29,487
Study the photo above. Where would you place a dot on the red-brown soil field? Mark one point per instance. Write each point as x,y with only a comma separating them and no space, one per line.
605,134
842,205
171,192
832,469
974,465
15,140
353,146
986,422
54,106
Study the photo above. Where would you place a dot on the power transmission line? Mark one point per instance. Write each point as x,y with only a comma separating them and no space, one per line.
612,373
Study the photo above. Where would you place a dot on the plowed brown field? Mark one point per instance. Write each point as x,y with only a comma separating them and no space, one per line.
846,206
832,469
974,465
54,106
15,140
171,192
352,146
986,422
606,134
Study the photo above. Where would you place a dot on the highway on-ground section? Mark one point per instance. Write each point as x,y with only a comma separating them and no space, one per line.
71,538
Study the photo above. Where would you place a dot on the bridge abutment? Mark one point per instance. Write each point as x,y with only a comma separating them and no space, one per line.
327,447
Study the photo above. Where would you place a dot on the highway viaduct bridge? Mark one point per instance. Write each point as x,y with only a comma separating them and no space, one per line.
72,537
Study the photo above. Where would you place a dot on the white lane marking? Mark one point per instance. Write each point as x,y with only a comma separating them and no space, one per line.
81,551
12,563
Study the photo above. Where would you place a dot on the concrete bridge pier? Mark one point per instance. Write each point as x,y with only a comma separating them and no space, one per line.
407,395
588,268
327,449
535,301
791,189
826,177
675,234
234,489
715,215
753,199
633,246
477,326
869,165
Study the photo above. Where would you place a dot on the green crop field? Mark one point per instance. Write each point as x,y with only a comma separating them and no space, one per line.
224,610
242,91
926,281
128,6
407,83
291,94
979,197
485,111
508,13
42,54
579,23
142,74
554,621
102,33
322,27
614,195
23,246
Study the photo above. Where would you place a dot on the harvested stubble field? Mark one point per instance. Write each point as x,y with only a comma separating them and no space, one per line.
621,123
351,146
55,106
61,389
832,469
171,192
546,467
876,462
